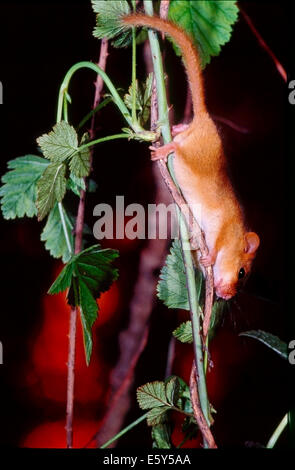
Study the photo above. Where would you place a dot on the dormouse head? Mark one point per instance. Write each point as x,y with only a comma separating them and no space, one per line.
233,264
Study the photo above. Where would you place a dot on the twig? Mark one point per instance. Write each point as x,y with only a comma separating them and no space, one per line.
201,421
78,247
197,241
164,9
71,378
264,45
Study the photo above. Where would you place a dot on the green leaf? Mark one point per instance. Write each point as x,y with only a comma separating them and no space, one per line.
209,23
51,187
53,235
272,341
64,280
59,144
75,184
143,99
184,332
171,287
18,193
161,435
87,275
172,389
152,395
80,162
108,23
157,415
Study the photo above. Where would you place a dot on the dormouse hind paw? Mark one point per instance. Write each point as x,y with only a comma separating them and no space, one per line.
207,260
162,153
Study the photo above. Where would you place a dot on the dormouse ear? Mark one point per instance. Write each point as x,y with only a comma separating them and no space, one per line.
252,242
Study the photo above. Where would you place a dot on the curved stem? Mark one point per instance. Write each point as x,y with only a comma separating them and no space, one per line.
89,65
278,431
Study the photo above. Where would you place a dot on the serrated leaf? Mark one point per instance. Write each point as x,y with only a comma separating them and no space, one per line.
184,399
270,340
80,162
87,275
209,23
171,287
108,23
143,92
51,187
76,184
19,189
161,435
151,395
157,415
184,332
59,144
172,389
53,235
63,281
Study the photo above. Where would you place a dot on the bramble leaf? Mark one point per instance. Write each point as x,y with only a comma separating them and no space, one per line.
171,287
161,435
18,193
209,23
157,415
75,184
60,143
51,187
143,99
54,237
87,275
159,397
184,332
80,161
108,23
270,340
152,395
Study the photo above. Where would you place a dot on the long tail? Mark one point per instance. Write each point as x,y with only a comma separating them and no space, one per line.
189,52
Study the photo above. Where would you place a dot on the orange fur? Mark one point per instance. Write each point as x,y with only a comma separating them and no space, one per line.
200,169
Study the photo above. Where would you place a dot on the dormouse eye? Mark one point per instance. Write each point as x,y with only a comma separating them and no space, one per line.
242,273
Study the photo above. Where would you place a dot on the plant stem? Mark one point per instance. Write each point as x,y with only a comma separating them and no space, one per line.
133,110
278,431
117,99
191,284
71,378
62,101
104,139
124,431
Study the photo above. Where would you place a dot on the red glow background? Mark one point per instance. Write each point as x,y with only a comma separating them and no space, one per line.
248,384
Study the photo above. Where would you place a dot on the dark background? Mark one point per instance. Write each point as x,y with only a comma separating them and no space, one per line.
38,43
